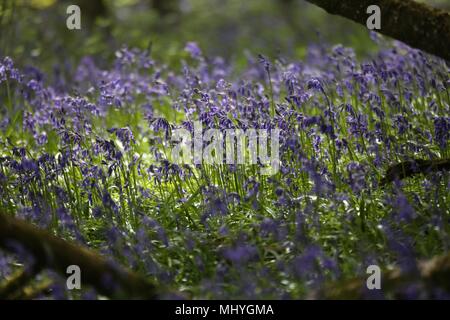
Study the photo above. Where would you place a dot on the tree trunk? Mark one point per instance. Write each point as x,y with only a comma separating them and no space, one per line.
416,24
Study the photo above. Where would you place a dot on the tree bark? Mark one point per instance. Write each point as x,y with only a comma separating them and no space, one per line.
416,24
54,253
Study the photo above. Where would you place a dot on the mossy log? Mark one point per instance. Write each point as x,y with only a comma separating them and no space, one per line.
416,24
430,274
50,252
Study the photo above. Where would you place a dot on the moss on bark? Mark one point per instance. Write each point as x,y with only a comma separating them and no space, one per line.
416,24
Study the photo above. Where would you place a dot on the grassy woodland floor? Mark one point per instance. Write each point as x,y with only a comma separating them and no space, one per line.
89,159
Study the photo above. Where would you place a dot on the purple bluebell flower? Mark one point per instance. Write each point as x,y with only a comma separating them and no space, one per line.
241,254
442,131
264,62
125,135
193,49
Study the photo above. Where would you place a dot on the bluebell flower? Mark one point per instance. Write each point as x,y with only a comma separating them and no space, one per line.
442,131
315,84
264,62
193,49
241,254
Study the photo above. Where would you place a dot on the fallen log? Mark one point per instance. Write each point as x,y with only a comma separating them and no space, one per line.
50,252
430,274
15,283
416,24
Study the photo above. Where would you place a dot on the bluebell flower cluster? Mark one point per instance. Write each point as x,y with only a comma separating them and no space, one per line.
88,157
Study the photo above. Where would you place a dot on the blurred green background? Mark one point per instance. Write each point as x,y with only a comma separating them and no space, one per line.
34,31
